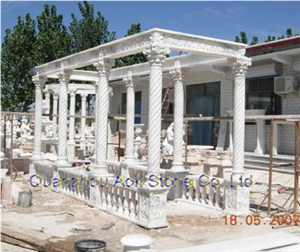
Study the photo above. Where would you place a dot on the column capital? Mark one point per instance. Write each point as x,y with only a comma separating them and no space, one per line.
55,95
240,65
64,75
156,52
83,95
104,65
176,72
72,91
39,80
128,79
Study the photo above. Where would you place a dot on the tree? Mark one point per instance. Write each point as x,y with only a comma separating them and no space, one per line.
89,31
18,59
53,39
132,59
243,39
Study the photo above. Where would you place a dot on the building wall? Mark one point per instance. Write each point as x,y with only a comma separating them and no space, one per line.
290,105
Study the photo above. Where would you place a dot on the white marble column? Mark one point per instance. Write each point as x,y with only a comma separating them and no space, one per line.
39,82
47,101
129,118
71,142
102,102
237,193
239,68
156,55
54,120
260,137
63,117
83,120
177,164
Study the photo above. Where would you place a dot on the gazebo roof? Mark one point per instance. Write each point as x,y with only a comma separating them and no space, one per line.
201,51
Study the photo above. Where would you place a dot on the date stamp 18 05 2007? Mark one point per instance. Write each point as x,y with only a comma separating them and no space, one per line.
255,220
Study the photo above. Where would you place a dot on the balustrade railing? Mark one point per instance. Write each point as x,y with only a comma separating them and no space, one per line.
205,190
75,183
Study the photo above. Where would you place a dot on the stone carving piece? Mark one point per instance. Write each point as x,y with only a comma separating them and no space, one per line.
167,146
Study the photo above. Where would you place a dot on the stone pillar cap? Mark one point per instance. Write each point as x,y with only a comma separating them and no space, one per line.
136,240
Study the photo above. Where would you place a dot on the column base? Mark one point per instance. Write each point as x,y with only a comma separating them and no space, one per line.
36,156
62,162
259,151
237,200
71,150
176,183
152,207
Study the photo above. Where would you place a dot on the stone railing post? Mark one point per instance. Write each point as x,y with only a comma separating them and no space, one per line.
102,105
237,193
63,76
39,82
71,141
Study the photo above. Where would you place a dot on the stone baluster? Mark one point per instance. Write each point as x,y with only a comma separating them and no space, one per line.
54,120
102,105
39,81
63,117
126,203
120,200
132,204
71,141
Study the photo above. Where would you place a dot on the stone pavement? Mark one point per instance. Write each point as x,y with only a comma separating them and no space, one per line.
6,247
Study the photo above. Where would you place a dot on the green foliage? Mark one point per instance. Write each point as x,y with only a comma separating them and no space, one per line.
89,31
32,43
132,59
243,37
53,38
288,32
18,59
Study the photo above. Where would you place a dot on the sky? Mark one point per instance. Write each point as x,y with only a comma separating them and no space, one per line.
222,20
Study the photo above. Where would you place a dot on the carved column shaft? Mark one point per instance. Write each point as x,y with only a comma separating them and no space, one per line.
103,66
156,55
178,119
54,127
47,100
129,117
72,113
83,113
239,67
39,82
63,117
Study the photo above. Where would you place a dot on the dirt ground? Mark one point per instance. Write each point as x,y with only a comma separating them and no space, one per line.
59,220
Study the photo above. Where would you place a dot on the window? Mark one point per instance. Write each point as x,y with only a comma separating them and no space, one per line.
137,107
260,95
203,99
